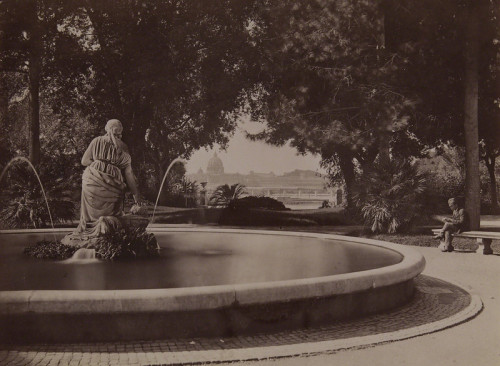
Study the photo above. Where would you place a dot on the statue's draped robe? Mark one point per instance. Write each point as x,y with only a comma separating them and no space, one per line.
103,191
103,186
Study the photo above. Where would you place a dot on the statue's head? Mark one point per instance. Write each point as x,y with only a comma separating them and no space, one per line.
453,203
114,127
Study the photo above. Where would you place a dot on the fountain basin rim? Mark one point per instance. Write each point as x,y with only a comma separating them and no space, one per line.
219,296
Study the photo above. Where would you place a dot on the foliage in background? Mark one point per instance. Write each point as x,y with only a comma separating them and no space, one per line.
178,191
183,194
452,49
368,77
226,196
24,205
389,195
445,172
343,96
445,169
364,75
175,73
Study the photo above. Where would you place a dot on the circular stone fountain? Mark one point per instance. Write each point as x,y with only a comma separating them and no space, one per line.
207,282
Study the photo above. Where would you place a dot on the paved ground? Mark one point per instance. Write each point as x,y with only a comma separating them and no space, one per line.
476,342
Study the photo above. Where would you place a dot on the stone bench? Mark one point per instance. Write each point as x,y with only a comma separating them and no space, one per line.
482,237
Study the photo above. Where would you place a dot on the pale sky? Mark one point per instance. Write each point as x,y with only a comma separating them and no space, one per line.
243,155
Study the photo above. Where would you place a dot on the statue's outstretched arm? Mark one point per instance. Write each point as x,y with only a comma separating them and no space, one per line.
132,183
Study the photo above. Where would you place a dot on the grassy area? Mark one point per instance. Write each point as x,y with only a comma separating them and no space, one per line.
422,240
422,237
254,217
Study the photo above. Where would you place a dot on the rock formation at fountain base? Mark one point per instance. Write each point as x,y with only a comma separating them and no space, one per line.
87,237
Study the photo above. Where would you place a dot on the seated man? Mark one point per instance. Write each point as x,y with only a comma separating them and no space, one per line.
457,224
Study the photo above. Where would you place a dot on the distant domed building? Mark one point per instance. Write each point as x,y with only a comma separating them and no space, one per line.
298,187
215,165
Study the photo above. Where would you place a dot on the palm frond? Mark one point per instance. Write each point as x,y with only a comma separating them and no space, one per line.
225,195
388,195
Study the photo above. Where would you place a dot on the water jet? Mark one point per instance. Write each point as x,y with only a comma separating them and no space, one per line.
176,160
26,160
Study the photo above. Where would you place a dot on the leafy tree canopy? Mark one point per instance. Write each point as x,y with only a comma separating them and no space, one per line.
330,85
174,72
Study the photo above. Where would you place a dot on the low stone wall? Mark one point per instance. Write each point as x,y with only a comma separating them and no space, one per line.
30,327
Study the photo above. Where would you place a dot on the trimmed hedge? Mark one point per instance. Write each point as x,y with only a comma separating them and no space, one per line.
259,217
256,202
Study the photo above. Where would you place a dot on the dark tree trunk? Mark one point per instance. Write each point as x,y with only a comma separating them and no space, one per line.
97,23
490,165
347,168
35,55
472,182
4,110
4,106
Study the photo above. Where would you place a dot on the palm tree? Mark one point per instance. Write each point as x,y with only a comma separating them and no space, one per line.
226,196
388,195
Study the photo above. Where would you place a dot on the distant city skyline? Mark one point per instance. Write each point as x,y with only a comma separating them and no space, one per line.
243,155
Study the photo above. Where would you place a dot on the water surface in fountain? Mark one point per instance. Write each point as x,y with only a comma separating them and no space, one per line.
193,259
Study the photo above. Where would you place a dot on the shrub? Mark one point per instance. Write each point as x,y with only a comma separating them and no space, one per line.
446,178
126,243
325,204
440,188
24,205
297,221
225,195
182,194
388,195
259,217
46,249
121,244
252,202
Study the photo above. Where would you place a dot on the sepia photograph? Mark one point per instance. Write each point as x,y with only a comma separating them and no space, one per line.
250,182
